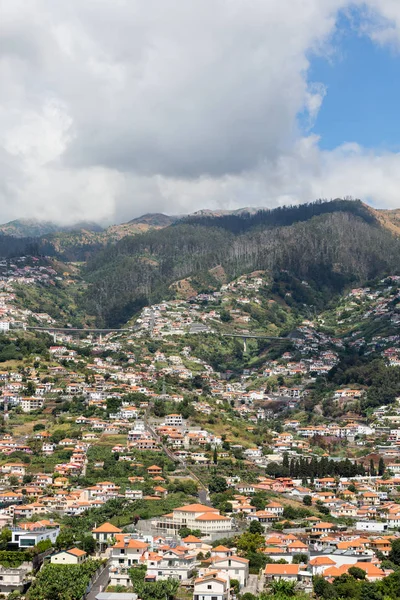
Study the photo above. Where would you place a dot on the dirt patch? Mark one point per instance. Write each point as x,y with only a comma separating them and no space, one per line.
219,273
183,288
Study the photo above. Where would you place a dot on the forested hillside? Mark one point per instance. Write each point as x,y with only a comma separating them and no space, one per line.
329,244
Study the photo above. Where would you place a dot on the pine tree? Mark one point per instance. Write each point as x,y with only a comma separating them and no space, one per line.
372,470
215,456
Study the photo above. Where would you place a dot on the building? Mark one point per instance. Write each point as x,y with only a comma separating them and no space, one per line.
28,539
172,564
194,516
15,580
127,552
174,420
30,404
288,572
212,586
74,556
105,533
235,566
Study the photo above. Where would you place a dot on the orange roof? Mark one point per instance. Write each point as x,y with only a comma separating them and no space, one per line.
322,560
201,508
217,559
297,544
220,549
107,528
278,569
212,517
131,544
191,539
76,552
370,570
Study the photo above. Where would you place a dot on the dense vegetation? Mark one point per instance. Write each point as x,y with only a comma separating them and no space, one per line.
63,582
282,216
329,250
20,346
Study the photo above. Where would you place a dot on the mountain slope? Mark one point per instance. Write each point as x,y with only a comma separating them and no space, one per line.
390,219
328,244
22,228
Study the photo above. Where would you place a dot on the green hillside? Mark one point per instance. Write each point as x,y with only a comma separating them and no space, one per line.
342,244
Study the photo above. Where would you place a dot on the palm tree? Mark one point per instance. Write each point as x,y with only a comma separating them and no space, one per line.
284,588
171,588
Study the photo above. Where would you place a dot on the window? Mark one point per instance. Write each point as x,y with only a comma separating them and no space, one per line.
214,597
209,587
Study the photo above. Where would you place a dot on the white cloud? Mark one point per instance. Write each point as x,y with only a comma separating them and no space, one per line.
120,107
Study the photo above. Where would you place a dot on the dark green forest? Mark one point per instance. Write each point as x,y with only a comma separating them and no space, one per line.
329,251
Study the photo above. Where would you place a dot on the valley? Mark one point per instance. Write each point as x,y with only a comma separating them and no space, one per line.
205,396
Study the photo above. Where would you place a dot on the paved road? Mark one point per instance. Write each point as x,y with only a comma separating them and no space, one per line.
252,585
99,585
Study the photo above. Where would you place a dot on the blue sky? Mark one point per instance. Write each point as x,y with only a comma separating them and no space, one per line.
362,101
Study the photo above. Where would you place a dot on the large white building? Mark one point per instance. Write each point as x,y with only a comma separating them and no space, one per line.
194,516
29,404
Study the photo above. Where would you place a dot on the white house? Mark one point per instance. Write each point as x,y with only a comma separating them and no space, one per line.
12,580
212,586
194,516
174,420
174,564
74,556
235,566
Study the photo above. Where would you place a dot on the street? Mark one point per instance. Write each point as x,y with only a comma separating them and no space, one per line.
99,585
252,585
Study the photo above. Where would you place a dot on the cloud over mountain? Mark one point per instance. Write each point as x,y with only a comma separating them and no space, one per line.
115,108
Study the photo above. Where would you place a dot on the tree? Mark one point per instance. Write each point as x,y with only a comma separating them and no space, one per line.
113,405
300,559
307,500
381,467
5,538
65,539
88,544
30,388
226,316
283,588
137,575
43,546
13,481
184,532
394,554
322,588
159,408
215,456
38,427
256,527
357,573
217,485
250,542
171,587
